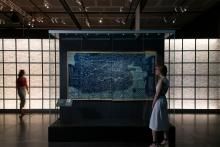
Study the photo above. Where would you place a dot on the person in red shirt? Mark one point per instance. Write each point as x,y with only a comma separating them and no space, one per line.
22,89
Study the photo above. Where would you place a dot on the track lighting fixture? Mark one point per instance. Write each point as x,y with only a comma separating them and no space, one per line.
78,2
101,20
180,9
46,4
87,22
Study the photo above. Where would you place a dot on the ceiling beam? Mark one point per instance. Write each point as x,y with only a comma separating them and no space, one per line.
69,11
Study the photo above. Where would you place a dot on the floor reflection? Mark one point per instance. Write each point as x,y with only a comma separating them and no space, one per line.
200,130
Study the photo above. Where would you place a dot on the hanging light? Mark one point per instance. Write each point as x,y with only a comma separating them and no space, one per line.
121,9
1,6
63,22
78,2
29,23
86,9
46,4
101,20
12,9
87,22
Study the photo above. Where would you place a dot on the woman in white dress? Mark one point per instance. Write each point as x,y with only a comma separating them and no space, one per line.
159,117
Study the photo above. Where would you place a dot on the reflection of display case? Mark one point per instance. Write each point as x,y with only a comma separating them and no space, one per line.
109,75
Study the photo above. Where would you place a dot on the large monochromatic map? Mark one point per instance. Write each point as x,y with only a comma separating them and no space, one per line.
111,75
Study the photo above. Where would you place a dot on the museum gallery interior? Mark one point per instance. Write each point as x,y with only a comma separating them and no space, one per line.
94,73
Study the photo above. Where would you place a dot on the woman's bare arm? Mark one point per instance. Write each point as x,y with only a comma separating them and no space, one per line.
158,89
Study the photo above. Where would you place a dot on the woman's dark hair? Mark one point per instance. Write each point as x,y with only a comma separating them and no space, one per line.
21,73
163,69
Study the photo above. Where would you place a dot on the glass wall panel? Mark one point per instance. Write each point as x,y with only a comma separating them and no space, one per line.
214,56
178,44
46,57
0,45
46,69
214,69
214,93
24,66
35,56
202,69
46,93
46,81
202,44
30,55
201,81
35,81
189,56
22,44
9,56
188,81
36,69
202,66
214,104
36,104
188,69
10,104
36,93
10,68
214,44
35,44
10,93
1,93
188,93
201,104
175,93
10,81
22,56
201,93
1,55
46,44
188,44
188,104
214,81
9,44
202,56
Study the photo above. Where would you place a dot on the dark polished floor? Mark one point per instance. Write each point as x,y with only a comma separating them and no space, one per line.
201,130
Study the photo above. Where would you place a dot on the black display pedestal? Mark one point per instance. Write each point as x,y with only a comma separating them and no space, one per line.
104,131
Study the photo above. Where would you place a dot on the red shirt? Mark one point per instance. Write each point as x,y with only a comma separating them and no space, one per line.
21,82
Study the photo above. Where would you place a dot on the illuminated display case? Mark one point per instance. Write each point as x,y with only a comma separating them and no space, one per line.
109,74
107,83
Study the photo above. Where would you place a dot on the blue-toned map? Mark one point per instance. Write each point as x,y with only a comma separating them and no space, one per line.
115,75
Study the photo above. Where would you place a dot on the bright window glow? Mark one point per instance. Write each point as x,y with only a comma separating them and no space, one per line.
38,58
200,60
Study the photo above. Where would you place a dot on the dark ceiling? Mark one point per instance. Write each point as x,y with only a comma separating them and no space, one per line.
114,14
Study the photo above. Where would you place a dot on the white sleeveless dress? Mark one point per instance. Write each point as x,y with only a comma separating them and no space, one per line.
159,117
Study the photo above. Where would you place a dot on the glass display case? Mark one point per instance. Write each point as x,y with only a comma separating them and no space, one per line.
110,73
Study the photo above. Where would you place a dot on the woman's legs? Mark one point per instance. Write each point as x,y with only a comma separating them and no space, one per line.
22,103
165,136
155,143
